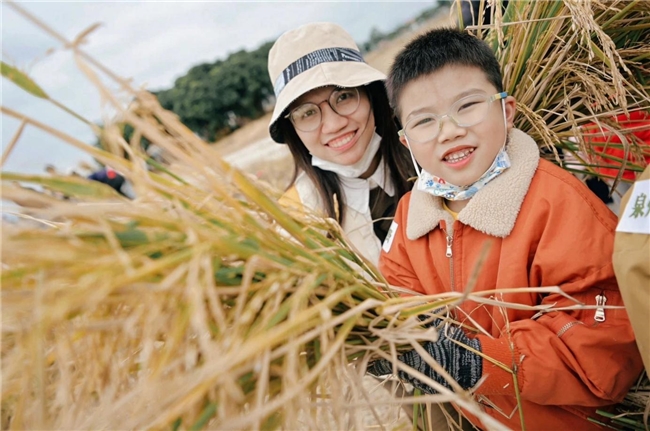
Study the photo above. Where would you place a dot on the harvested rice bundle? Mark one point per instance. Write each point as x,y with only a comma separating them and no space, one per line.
574,67
201,303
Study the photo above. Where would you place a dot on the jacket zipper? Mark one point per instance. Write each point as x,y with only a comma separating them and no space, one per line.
449,255
599,316
568,326
600,310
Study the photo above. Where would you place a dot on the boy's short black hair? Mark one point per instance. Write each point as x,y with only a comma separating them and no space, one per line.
436,49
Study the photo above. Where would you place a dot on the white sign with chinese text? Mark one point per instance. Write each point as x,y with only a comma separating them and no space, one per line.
635,218
390,236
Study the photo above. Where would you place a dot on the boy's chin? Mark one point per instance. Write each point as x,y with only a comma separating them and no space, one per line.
464,182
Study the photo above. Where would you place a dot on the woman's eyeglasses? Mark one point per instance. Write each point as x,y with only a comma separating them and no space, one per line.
308,116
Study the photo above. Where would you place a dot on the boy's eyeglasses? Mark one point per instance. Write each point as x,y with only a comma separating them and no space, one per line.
308,116
466,112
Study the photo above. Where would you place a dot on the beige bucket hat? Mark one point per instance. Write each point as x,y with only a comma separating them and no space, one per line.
312,56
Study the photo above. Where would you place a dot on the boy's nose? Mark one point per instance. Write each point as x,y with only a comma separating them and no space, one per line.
449,130
331,121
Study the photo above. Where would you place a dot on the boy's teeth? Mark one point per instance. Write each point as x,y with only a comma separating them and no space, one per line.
454,157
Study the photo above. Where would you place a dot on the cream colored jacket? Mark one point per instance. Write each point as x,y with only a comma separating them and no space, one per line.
357,224
632,268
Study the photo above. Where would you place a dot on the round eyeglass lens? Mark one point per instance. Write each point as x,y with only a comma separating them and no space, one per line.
344,101
465,112
470,110
308,116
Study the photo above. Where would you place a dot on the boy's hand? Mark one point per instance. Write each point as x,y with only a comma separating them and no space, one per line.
462,364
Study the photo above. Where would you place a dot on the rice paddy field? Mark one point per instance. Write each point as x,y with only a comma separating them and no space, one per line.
203,304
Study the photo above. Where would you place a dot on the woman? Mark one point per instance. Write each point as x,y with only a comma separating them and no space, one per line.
333,113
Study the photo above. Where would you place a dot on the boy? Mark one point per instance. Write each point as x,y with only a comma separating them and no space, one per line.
483,180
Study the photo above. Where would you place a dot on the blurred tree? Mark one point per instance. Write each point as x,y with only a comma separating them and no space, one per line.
215,98
376,36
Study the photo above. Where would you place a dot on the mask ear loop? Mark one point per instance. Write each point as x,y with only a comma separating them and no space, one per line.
505,123
415,164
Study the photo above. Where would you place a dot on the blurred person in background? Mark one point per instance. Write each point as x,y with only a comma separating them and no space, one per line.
51,169
113,179
333,112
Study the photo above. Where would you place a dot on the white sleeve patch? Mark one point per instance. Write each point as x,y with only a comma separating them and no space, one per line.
635,217
388,242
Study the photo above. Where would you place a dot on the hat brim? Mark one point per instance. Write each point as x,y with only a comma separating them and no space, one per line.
334,73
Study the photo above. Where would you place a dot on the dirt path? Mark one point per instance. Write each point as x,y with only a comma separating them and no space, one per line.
264,149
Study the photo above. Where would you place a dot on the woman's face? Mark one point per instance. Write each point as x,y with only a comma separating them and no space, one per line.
338,139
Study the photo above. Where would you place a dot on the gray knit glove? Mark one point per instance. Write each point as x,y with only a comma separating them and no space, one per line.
463,365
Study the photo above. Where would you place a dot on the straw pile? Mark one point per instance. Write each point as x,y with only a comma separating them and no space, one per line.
573,63
201,304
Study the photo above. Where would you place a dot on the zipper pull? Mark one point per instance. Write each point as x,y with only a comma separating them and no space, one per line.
600,311
449,239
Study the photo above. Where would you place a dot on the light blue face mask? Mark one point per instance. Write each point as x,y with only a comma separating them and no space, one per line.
437,186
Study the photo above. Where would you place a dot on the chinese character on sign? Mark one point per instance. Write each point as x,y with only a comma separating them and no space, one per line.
636,217
639,206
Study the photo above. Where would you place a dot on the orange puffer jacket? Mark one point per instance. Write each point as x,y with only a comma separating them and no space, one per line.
546,229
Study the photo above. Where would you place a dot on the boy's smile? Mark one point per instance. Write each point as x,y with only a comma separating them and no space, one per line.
459,155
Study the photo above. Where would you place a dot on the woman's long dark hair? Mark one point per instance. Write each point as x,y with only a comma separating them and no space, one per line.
393,153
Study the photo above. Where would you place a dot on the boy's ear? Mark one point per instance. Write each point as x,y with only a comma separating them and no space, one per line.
511,109
402,139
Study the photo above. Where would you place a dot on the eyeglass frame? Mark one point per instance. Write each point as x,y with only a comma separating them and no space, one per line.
356,89
498,96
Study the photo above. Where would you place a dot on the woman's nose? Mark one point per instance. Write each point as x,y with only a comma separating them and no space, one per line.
331,121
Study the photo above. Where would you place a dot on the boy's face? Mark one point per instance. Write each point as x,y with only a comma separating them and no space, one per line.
459,155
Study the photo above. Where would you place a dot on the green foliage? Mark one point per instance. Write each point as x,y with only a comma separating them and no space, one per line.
215,98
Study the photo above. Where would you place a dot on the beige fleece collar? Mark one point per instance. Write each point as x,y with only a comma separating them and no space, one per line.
494,209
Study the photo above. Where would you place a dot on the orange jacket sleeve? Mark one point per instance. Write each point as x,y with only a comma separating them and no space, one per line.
567,357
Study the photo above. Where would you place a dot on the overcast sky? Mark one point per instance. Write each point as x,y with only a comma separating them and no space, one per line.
151,42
